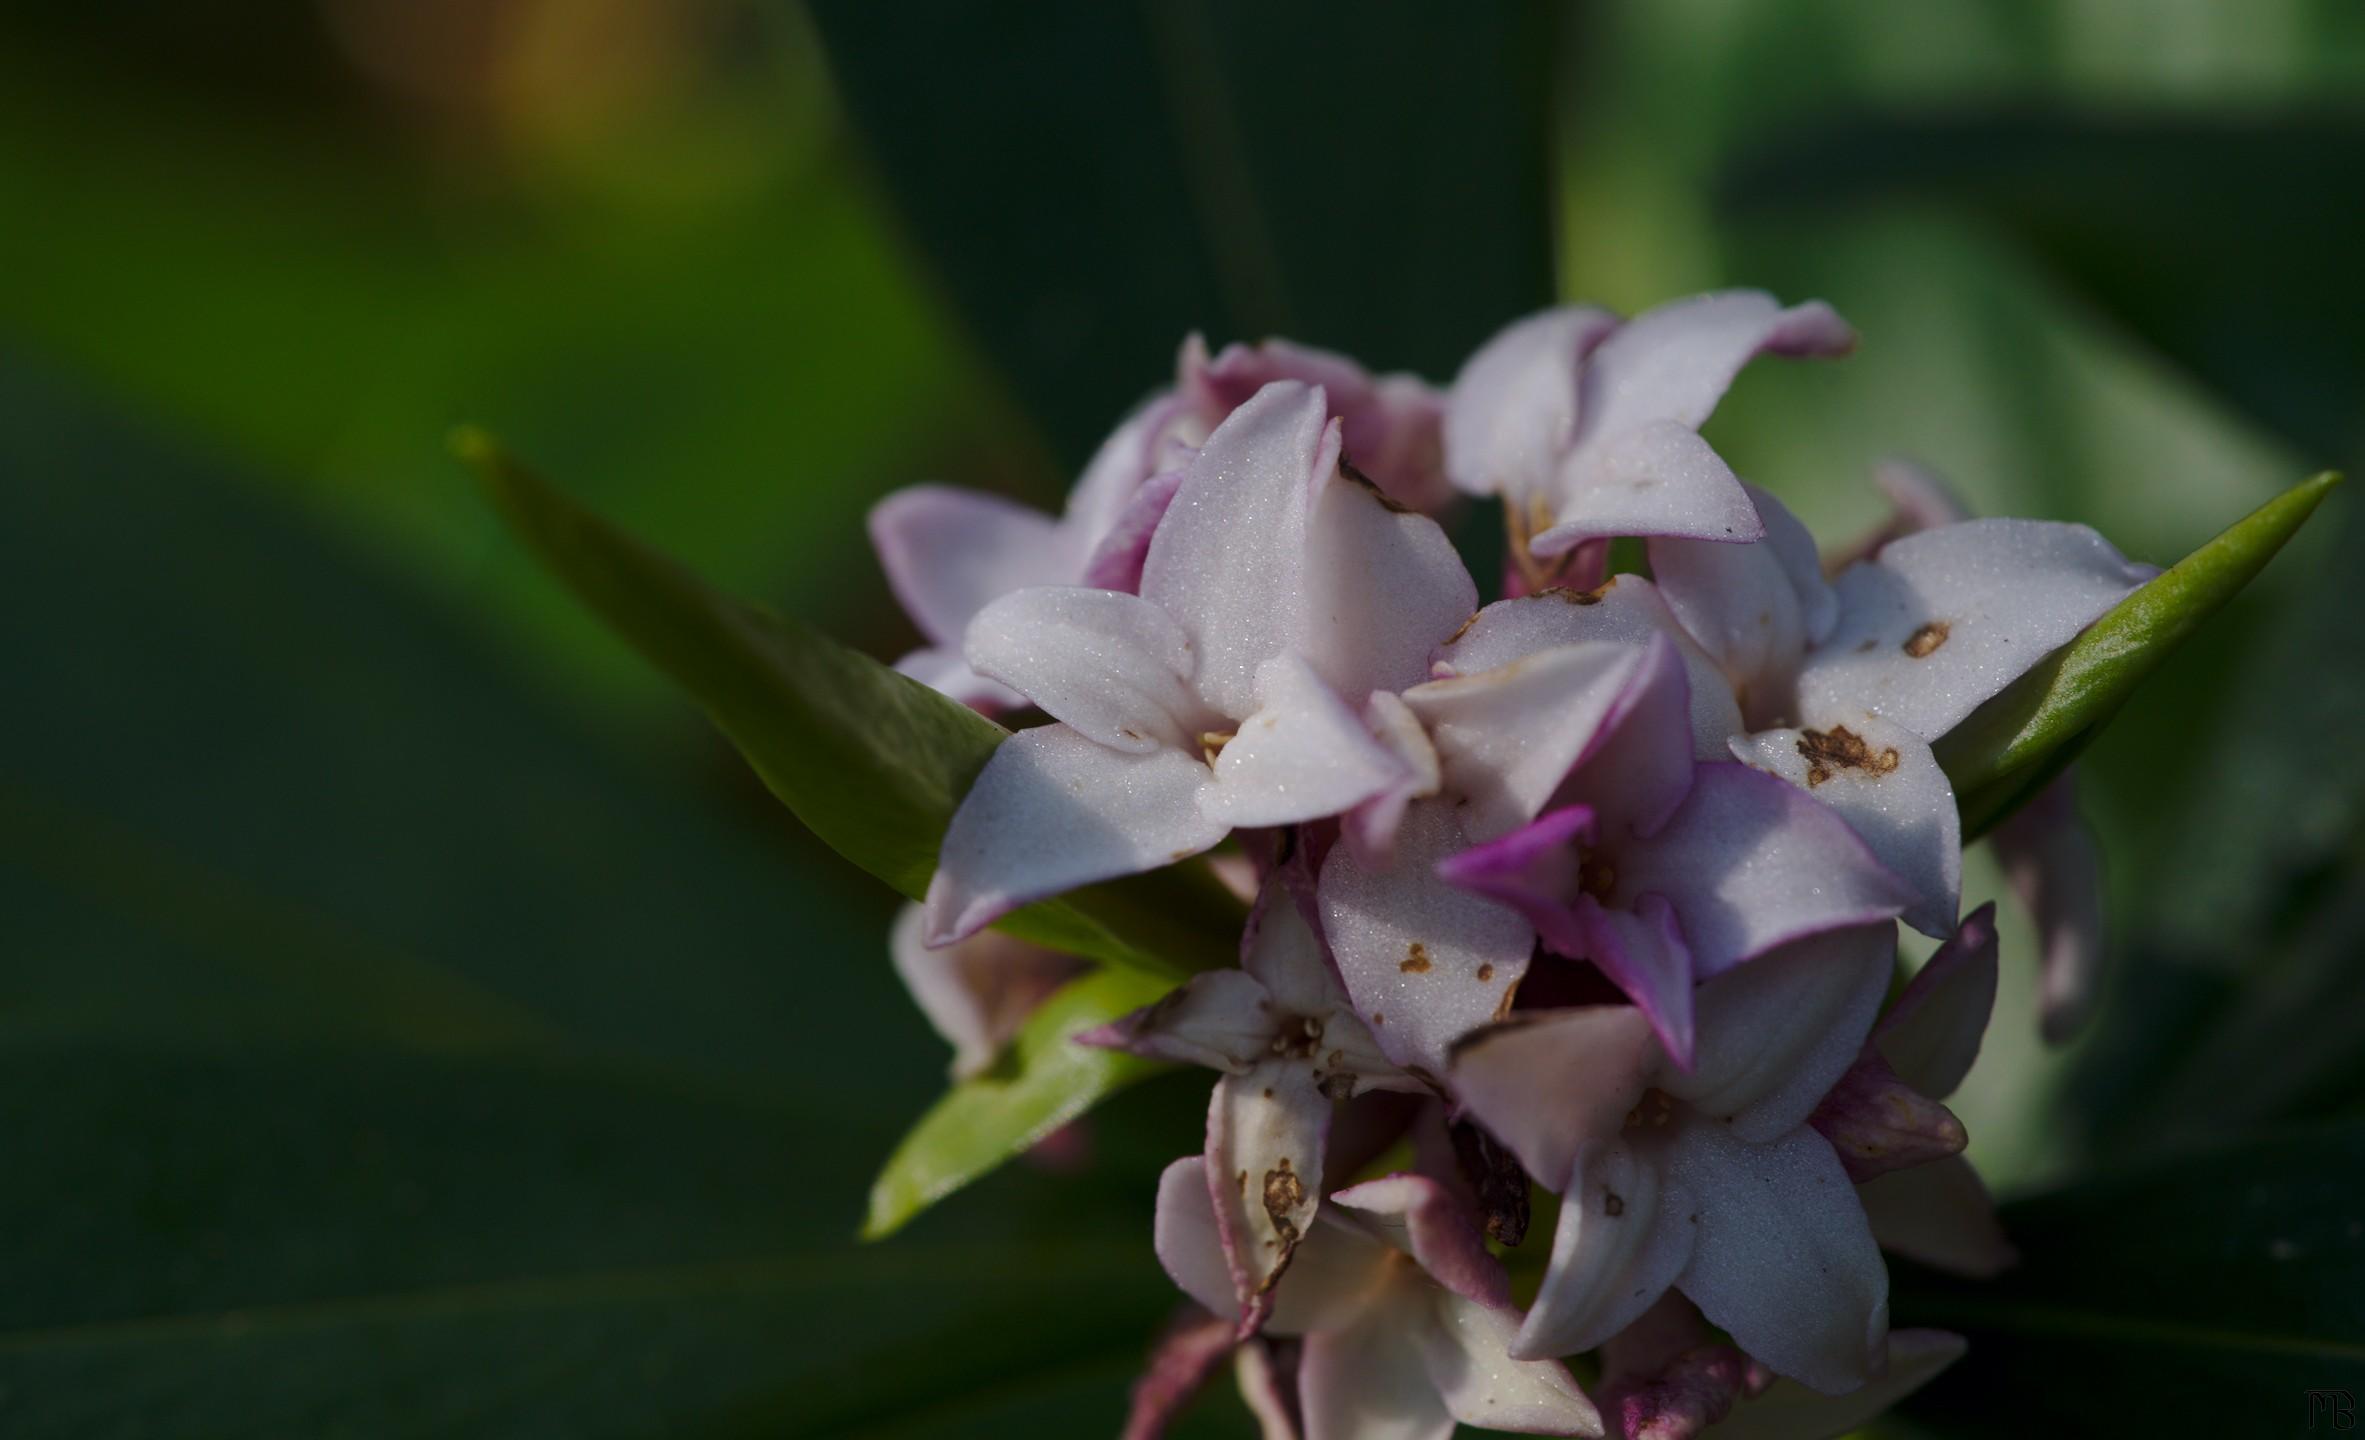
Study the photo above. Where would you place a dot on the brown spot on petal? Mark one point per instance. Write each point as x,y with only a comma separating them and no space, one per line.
1485,973
1568,596
1830,751
1922,642
1284,1194
1416,959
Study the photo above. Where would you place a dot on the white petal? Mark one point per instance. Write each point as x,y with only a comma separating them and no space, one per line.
1186,1240
1228,561
977,993
1265,1135
1303,755
1627,1229
1371,826
1946,618
1423,961
1112,666
1931,1035
1052,811
1367,1382
1513,411
1548,1081
1222,1019
945,672
1329,1284
948,552
1777,1033
1882,779
1466,1352
1784,1261
1627,608
1756,608
1790,1411
1939,1214
1383,588
1507,737
1675,361
1657,479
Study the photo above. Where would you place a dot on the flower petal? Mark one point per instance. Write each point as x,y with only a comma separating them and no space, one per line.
1941,1215
1877,1123
1931,1035
1384,587
1132,453
1512,412
1546,1082
1117,556
1427,1221
1882,779
944,671
1269,1393
1423,961
1946,618
1222,1019
1181,1361
1624,608
1784,1260
1656,479
1465,1351
1756,608
1371,826
1052,811
1750,862
948,552
977,993
1112,666
1390,422
1643,954
1368,1381
1506,738
2050,860
1638,769
1303,755
1627,1228
1777,1033
1675,361
1228,561
1790,1411
1328,1285
1188,1244
1534,871
1265,1135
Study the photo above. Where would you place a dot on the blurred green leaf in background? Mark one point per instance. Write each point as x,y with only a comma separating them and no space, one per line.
421,1024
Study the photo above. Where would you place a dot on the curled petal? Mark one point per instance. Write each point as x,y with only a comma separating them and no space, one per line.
1465,1349
1642,952
1265,1135
1877,1123
1941,1215
1052,811
1113,667
1627,1228
1675,361
1931,1035
977,993
1784,1261
1790,1411
1778,1033
1222,1019
1423,961
1626,608
948,552
1660,478
1117,556
1303,755
1547,1082
1427,1221
1944,619
1750,862
1512,413
1506,738
1882,779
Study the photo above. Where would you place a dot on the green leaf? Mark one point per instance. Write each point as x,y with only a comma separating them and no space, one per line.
2224,1283
2005,752
1043,1082
1175,179
873,762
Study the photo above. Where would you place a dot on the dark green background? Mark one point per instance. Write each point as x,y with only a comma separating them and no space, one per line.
417,1023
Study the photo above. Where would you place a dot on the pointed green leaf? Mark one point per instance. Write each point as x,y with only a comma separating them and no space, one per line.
2005,752
873,762
1043,1082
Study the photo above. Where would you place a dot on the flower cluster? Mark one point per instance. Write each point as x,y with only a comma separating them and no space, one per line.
1592,890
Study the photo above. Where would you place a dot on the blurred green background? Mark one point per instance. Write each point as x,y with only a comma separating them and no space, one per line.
416,1022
